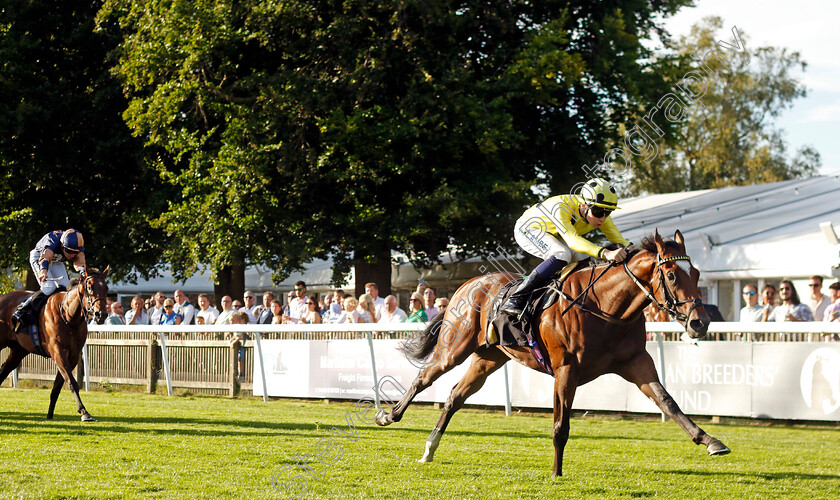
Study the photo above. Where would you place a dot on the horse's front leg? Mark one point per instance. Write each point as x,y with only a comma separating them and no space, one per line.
65,370
642,372
565,384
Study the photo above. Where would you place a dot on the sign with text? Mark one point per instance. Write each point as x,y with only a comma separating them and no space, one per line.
744,379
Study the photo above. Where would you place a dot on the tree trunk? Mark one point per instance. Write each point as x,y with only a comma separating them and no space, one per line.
30,281
231,282
378,272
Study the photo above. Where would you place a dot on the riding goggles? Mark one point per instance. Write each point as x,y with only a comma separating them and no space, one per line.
600,212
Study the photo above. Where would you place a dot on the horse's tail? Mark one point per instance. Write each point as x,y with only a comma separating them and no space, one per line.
419,347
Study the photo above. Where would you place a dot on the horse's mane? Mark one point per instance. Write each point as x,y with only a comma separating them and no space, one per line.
649,243
74,282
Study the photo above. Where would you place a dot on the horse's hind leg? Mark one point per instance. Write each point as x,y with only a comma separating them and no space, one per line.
642,372
59,381
65,370
442,361
16,355
482,365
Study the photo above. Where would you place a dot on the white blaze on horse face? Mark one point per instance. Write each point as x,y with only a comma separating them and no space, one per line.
685,266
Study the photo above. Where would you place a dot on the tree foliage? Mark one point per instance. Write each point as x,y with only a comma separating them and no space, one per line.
301,129
727,136
68,159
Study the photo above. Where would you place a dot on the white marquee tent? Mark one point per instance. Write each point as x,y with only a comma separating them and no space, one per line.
747,234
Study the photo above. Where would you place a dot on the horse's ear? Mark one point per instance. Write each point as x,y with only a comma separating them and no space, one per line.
105,272
658,239
678,237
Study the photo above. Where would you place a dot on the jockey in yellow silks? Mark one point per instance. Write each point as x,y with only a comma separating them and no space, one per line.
552,229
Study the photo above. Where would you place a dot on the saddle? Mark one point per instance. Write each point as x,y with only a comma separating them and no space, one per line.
506,330
29,319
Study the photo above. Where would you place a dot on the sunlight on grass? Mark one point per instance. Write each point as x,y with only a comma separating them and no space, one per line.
146,446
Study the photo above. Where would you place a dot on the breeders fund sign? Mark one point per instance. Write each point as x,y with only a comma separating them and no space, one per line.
767,380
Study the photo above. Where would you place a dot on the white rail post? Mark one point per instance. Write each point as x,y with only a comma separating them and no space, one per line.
507,392
259,356
86,366
373,368
661,347
162,337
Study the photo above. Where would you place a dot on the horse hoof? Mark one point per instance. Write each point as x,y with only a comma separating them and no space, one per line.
382,418
717,448
88,418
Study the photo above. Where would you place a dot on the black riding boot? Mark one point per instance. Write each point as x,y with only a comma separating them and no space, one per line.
516,303
24,312
539,276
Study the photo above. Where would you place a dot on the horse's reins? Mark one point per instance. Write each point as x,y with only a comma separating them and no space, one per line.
574,302
671,303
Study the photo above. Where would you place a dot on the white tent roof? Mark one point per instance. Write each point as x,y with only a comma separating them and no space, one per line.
760,231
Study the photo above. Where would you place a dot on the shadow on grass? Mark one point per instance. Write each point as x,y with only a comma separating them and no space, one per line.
16,422
769,476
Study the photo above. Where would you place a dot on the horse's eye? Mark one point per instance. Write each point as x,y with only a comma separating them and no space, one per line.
672,276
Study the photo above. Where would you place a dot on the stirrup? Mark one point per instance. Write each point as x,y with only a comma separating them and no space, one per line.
512,309
17,323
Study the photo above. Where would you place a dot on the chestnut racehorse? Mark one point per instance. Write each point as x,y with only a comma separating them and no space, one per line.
604,333
63,330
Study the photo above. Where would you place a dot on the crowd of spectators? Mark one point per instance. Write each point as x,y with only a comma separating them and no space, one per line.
789,307
336,307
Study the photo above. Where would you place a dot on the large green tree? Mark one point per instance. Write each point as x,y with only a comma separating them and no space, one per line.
68,159
725,134
302,129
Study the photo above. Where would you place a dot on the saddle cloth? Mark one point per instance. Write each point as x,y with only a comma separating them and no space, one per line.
30,323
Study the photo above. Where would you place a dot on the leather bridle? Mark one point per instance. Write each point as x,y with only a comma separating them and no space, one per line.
671,303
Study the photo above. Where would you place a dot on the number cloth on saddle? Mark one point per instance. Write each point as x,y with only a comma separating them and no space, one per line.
29,320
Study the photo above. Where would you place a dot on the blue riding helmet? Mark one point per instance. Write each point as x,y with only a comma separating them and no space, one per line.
72,240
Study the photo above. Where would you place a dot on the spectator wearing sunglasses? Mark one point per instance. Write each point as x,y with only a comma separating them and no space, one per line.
297,306
752,311
312,316
47,261
817,301
169,316
417,314
791,309
553,231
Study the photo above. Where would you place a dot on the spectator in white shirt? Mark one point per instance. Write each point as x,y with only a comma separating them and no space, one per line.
298,308
250,304
137,315
378,302
753,311
392,313
817,301
157,310
184,308
227,311
429,298
207,315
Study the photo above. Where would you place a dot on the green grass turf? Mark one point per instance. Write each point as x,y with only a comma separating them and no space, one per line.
153,446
